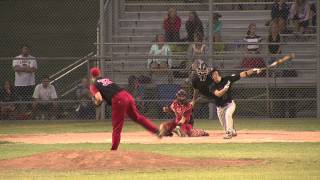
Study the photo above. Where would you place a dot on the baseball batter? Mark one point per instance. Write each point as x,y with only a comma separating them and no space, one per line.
221,88
122,103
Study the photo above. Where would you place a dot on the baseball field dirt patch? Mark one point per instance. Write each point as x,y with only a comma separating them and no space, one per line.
144,137
118,160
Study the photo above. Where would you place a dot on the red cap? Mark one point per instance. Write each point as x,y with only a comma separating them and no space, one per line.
95,72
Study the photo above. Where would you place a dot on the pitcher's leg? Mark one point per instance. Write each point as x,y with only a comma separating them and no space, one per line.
118,114
135,115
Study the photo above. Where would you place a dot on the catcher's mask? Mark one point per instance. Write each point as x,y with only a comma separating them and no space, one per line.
202,71
181,97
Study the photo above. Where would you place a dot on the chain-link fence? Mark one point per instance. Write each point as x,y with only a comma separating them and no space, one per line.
152,48
232,36
41,40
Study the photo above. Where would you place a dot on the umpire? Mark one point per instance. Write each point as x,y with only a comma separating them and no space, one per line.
200,84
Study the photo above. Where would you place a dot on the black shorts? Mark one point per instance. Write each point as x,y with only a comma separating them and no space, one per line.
24,93
304,24
44,106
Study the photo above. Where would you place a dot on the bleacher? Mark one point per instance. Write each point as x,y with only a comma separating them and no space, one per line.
141,20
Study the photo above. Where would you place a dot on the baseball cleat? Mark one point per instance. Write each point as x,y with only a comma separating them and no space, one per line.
228,135
234,133
177,132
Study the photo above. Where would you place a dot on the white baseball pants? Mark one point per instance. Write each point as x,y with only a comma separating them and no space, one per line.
225,114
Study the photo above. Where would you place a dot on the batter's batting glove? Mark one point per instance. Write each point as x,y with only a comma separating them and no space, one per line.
257,70
97,104
227,85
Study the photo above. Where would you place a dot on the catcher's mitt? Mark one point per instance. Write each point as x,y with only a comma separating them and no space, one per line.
166,128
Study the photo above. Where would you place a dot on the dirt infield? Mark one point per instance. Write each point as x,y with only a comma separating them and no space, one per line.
146,138
120,160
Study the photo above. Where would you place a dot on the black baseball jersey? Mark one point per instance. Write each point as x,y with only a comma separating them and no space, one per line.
106,87
202,86
227,97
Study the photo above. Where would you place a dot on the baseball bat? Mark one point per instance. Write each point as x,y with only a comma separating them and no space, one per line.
280,61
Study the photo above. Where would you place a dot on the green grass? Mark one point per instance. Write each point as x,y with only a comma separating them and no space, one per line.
282,161
31,127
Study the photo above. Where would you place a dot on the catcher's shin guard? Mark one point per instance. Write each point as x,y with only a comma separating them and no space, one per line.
198,133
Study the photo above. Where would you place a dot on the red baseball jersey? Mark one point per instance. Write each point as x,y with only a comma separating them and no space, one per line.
181,110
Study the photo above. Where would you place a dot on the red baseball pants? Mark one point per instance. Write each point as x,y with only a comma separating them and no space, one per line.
122,104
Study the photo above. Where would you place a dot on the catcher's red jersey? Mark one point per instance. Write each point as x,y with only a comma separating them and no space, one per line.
181,110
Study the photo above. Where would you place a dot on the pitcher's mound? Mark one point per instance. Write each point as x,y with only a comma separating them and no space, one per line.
119,160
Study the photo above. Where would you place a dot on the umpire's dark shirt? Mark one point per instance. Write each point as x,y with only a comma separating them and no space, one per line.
202,86
227,97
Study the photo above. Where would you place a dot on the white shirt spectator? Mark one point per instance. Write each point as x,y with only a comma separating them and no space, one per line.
163,51
24,78
45,94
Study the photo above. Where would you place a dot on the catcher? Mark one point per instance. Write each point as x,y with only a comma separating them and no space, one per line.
182,109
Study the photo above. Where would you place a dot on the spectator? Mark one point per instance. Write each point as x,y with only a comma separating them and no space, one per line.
217,26
274,37
172,25
7,94
313,13
85,109
193,25
25,67
280,13
43,96
280,108
161,49
253,38
216,32
197,52
300,15
136,88
251,60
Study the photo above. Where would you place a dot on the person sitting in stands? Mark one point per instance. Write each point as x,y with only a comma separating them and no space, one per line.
136,88
197,52
251,60
7,95
172,25
274,37
280,14
160,48
300,15
85,109
193,26
45,97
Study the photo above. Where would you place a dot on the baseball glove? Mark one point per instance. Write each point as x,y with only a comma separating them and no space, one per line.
167,127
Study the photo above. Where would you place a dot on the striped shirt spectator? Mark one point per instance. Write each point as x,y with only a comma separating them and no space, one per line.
253,39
